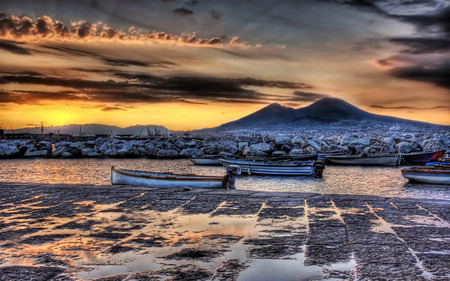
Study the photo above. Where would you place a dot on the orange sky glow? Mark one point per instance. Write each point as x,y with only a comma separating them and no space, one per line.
209,64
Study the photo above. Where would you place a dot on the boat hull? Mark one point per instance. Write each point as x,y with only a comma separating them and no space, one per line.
420,158
148,179
389,160
433,176
205,161
261,168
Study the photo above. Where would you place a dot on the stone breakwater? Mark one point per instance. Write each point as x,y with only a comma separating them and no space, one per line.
99,233
278,145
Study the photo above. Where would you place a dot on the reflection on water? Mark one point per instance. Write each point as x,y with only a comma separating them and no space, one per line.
383,181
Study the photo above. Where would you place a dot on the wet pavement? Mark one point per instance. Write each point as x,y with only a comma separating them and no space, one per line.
81,232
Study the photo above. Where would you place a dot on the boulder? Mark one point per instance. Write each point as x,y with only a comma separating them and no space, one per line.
296,151
191,144
346,140
433,145
58,152
281,140
227,146
405,147
190,152
243,147
278,153
167,153
210,149
36,153
263,147
297,141
8,150
358,145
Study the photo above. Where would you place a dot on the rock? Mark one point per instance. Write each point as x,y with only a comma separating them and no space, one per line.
190,152
111,151
297,141
67,155
278,153
167,153
433,145
89,152
296,151
346,140
281,140
226,154
331,140
36,153
210,149
243,147
227,146
125,150
286,148
8,150
260,147
79,145
358,145
58,152
405,147
180,144
191,144
310,150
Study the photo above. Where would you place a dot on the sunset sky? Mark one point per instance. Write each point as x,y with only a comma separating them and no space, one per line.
191,64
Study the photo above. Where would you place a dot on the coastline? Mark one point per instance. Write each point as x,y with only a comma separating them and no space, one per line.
76,232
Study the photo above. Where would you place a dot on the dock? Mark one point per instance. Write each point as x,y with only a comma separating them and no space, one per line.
85,232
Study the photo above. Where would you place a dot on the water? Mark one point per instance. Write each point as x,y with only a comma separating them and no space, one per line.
382,181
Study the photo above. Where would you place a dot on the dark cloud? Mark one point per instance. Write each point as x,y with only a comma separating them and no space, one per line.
183,11
146,88
307,96
272,84
424,45
113,108
12,46
120,62
408,107
34,97
438,76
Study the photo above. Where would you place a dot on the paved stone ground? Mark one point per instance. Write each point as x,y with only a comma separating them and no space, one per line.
76,232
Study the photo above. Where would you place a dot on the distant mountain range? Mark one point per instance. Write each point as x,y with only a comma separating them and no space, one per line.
93,129
325,114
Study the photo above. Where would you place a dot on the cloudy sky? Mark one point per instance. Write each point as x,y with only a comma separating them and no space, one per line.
190,64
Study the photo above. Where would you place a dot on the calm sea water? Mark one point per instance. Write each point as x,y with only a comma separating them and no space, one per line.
383,181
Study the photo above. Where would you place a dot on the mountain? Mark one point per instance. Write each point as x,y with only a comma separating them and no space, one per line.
93,129
325,114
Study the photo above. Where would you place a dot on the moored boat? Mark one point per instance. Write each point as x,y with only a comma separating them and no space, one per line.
372,160
421,158
435,174
169,180
291,168
205,160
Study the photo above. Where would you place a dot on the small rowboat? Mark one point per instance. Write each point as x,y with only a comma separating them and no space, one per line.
437,173
420,158
205,160
290,168
169,180
373,160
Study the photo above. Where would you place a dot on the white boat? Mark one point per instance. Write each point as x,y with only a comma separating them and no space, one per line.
306,168
436,174
205,160
169,180
374,160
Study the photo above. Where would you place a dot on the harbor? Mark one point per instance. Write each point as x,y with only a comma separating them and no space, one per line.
103,232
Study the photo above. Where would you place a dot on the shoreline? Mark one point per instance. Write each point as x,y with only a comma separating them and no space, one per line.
104,232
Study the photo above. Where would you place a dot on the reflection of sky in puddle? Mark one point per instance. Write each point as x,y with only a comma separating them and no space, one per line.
85,250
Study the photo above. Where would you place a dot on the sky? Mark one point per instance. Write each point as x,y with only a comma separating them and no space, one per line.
192,64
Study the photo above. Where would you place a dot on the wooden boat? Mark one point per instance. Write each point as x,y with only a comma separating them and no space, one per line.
169,180
421,158
436,174
205,160
373,160
291,168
